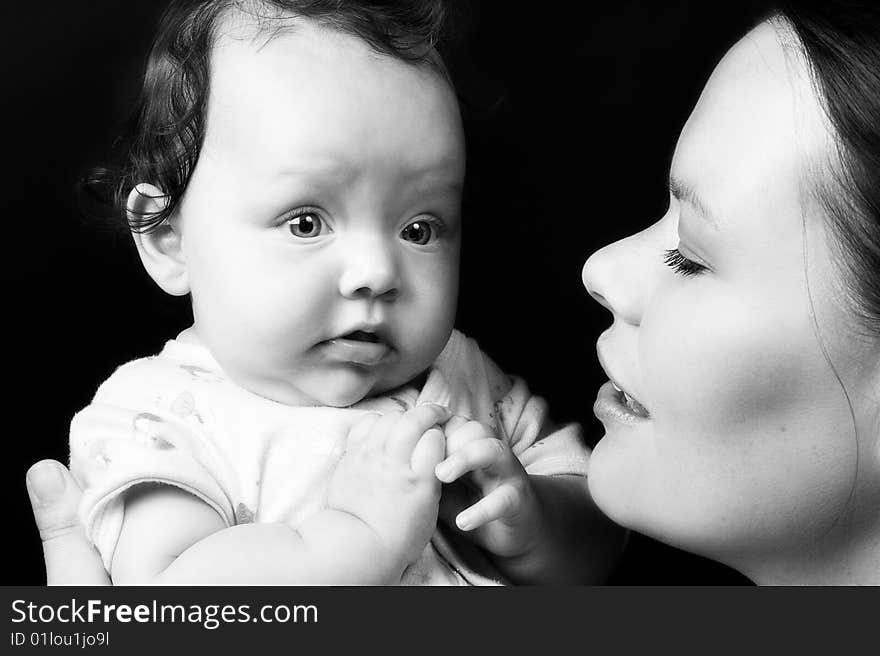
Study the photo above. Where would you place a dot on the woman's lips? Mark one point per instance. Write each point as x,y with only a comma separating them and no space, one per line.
631,402
614,405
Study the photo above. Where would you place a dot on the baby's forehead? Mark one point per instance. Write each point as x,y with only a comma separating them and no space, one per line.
312,92
258,30
295,47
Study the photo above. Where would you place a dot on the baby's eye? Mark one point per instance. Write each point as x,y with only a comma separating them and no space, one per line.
419,232
306,225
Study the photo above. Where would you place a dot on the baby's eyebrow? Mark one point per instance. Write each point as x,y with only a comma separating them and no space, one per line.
327,169
436,175
685,193
438,183
443,174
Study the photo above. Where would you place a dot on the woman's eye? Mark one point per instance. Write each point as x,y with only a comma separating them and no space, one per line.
306,225
419,232
680,264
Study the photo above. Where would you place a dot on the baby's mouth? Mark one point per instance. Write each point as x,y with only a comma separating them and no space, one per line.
360,347
361,336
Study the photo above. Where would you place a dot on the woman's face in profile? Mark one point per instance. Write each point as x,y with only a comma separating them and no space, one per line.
749,447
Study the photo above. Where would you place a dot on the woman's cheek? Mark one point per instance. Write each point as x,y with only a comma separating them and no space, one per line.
746,418
718,364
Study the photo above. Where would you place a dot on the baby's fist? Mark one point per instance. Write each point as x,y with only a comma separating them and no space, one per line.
386,477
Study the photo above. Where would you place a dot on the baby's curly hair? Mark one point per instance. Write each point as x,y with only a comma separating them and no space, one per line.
161,142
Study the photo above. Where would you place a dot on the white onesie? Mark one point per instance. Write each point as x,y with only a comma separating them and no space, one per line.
175,418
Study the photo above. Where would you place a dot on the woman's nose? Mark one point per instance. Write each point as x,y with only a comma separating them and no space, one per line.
370,270
616,276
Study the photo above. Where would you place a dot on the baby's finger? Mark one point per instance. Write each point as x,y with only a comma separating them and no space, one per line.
362,427
455,423
428,452
478,454
381,430
465,432
410,427
501,502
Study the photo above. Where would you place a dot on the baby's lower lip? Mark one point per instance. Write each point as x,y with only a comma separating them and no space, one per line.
355,351
610,406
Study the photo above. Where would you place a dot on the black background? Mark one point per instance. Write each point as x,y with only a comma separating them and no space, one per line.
571,113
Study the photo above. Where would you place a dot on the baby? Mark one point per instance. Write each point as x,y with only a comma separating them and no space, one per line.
300,430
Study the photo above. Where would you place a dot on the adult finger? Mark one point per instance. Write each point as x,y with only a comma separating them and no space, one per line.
70,558
410,427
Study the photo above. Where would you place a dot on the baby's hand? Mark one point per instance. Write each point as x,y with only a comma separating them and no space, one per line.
507,518
386,477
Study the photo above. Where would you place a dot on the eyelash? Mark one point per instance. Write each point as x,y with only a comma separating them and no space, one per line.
680,264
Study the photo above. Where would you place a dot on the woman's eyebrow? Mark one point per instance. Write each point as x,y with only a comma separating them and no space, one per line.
685,193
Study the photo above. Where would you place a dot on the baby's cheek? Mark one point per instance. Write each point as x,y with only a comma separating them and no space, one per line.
425,319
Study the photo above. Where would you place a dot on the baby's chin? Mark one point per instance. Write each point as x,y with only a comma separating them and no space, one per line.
341,397
340,388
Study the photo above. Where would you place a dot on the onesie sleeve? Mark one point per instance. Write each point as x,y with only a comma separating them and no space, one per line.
541,446
132,434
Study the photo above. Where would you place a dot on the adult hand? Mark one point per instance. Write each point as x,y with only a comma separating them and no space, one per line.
70,558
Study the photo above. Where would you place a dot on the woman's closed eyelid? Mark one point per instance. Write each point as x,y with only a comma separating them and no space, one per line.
690,254
689,244
682,265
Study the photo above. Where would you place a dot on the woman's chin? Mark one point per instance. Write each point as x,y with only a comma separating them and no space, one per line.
623,484
624,488
612,482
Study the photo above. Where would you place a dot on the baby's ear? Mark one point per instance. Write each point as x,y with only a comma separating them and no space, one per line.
161,249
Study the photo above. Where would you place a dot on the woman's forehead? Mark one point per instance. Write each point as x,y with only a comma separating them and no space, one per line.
757,128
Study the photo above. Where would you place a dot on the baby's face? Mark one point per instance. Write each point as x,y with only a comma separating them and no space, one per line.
320,229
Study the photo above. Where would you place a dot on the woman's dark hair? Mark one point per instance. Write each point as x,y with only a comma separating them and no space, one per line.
841,41
163,138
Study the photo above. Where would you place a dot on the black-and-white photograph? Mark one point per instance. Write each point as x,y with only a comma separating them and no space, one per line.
443,293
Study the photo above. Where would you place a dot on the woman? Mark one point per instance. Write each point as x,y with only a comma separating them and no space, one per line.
746,334
743,417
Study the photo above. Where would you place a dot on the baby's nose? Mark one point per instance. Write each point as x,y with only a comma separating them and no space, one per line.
370,271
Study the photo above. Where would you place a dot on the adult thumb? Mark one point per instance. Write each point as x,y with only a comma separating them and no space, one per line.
70,558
